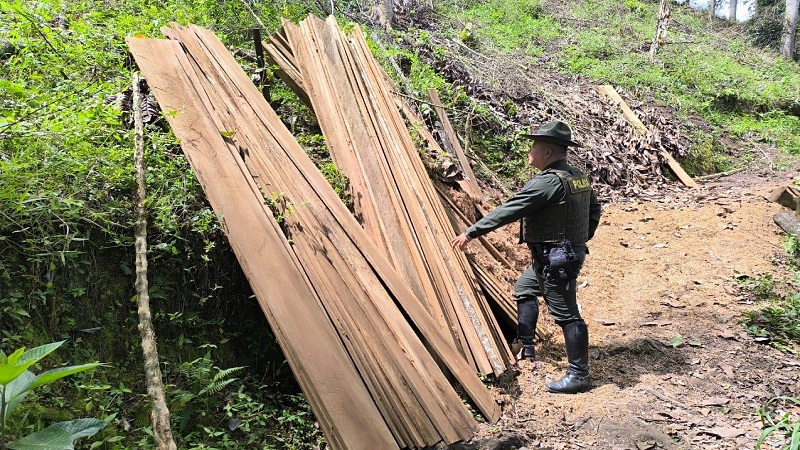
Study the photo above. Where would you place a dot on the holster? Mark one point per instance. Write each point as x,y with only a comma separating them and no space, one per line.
558,260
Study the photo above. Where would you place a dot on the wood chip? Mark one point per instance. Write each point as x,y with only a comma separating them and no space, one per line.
657,323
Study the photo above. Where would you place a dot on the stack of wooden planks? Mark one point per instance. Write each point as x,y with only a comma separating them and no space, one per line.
364,349
395,198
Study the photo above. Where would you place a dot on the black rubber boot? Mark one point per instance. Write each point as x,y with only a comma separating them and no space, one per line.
576,336
527,316
523,351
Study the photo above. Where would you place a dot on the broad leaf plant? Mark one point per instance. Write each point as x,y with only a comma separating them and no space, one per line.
16,381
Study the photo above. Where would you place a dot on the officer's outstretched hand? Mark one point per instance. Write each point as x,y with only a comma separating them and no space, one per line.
461,241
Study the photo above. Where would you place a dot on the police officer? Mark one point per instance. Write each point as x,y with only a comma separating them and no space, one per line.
559,212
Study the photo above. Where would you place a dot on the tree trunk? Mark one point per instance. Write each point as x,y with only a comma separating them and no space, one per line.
732,10
155,386
382,13
661,29
712,8
789,29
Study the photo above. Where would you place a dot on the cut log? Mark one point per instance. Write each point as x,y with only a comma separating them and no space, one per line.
788,222
611,93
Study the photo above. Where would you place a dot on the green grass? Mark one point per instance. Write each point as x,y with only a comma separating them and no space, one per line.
749,94
513,25
778,316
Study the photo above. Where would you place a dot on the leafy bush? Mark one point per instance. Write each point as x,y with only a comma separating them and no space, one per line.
779,416
16,382
780,322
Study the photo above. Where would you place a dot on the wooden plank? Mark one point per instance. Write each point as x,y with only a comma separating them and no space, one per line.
372,283
464,222
427,219
474,314
611,93
472,181
279,53
355,146
405,424
342,403
433,335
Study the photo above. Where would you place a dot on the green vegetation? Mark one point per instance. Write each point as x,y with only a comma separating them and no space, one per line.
779,417
778,318
66,191
748,94
66,234
16,382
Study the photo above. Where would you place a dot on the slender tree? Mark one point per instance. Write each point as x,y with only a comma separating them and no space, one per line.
159,415
382,13
661,28
789,29
712,8
732,9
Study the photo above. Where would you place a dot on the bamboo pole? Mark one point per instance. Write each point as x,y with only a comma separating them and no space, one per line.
155,386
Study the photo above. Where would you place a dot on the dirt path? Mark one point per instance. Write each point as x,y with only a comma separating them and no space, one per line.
659,272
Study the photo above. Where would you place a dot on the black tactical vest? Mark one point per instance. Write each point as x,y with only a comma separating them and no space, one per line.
568,218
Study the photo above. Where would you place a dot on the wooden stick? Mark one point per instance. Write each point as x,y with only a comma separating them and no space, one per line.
714,176
159,415
611,93
472,182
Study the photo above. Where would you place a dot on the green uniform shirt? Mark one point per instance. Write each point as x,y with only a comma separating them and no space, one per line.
541,190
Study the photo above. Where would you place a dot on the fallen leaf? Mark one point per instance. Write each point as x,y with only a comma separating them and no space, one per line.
727,369
672,305
726,432
660,245
715,401
623,243
645,445
646,219
607,323
676,341
726,334
694,342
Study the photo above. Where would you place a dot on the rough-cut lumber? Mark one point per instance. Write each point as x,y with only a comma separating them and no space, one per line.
381,331
472,182
350,280
788,222
611,93
411,305
785,195
479,318
369,140
342,403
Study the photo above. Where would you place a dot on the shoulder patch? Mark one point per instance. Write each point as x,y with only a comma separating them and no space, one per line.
574,182
578,184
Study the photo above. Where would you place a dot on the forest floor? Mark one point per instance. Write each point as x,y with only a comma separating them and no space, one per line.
671,364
